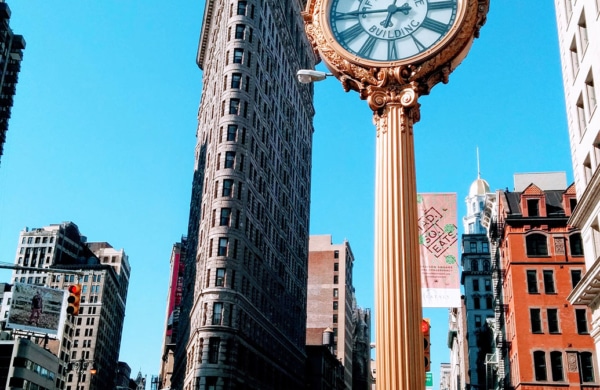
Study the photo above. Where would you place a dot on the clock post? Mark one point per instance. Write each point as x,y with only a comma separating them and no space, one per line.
392,52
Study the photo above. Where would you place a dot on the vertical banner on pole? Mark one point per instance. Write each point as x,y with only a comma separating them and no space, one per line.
438,247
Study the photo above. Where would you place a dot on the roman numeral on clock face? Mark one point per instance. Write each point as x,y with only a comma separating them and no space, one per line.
367,47
351,33
441,5
434,25
392,51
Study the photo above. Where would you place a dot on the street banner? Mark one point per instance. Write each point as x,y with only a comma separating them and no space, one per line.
37,309
438,247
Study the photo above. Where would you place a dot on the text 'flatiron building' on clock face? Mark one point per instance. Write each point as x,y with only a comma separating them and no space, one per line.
243,315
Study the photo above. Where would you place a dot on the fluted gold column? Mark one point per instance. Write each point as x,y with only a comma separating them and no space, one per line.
399,341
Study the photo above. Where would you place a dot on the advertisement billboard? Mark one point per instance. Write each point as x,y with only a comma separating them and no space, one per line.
37,309
438,247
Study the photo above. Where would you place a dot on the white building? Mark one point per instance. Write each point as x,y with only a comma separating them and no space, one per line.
578,23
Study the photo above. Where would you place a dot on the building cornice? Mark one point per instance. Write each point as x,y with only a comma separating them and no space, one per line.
204,35
588,288
587,202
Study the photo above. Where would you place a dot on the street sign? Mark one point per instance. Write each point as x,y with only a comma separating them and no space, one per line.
428,381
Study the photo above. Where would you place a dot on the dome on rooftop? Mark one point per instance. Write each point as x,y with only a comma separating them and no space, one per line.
479,187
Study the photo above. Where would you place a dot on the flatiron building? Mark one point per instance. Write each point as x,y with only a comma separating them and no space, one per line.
242,323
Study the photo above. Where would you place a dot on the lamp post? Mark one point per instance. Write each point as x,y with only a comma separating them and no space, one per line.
80,366
392,53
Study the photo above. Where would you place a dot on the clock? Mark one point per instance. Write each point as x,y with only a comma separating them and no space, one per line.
391,31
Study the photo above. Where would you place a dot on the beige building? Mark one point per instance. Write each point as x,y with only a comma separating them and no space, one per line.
578,23
330,298
243,313
93,338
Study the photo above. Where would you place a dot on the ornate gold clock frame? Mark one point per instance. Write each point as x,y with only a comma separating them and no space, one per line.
392,89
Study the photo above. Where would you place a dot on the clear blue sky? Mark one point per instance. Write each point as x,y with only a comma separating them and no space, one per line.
103,133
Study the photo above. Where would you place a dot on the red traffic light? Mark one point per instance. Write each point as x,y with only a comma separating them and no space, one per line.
74,299
425,326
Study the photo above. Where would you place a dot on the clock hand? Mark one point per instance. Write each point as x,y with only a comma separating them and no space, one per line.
392,9
388,20
360,12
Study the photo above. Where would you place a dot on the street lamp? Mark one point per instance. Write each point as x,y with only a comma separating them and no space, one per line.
307,76
80,366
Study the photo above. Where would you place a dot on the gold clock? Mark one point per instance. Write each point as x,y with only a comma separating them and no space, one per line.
391,31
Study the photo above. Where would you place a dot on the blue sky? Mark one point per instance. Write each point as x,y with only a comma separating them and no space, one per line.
102,133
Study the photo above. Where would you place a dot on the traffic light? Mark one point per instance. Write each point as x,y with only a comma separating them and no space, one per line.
425,328
74,299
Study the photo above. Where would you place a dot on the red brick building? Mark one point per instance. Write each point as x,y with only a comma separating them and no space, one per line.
543,341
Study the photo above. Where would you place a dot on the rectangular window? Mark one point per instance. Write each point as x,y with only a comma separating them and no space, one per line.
236,80
234,106
553,326
485,247
227,187
591,93
217,313
583,34
473,247
475,284
225,216
239,31
488,285
532,287
238,56
229,159
476,303
533,207
335,279
336,266
575,277
536,320
478,321
335,305
242,6
335,293
581,320
223,241
549,282
220,278
232,132
335,318
213,349
211,383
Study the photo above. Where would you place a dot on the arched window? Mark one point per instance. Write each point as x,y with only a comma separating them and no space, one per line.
587,366
539,365
486,266
536,245
575,244
556,366
474,265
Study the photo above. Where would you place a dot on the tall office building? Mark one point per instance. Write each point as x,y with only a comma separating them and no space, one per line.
243,315
579,40
330,298
92,338
476,278
11,54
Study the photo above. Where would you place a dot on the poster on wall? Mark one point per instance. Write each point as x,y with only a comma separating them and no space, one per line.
37,309
438,247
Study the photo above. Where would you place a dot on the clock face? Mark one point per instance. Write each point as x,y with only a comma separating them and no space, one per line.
391,30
